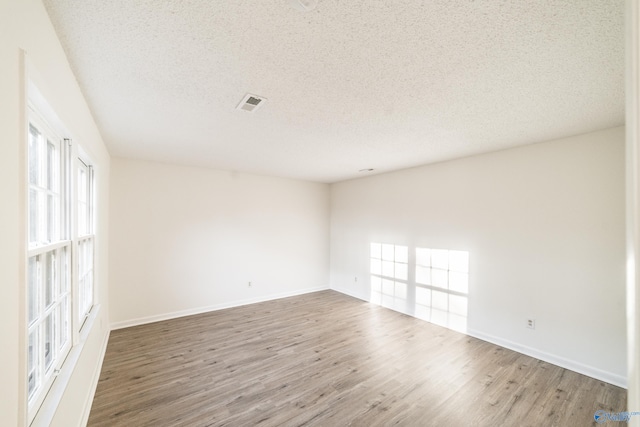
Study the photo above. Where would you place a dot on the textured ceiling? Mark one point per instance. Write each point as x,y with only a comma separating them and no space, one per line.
350,85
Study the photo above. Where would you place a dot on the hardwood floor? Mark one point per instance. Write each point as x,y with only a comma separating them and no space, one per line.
326,359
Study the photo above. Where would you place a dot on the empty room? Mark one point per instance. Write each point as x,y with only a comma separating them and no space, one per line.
319,213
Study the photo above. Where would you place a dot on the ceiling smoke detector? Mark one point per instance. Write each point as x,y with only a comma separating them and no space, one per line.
304,5
251,102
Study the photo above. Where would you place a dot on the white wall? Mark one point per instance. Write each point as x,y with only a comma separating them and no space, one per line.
185,240
24,24
544,226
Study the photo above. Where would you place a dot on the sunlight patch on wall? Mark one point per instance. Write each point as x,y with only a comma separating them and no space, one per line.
437,293
442,286
389,274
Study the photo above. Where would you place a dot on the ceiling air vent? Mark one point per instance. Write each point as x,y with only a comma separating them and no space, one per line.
251,102
304,5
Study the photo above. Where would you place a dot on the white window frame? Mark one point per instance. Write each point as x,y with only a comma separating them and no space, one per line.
42,370
79,298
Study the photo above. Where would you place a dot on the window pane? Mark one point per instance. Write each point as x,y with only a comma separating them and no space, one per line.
51,272
64,270
50,218
82,185
33,216
90,255
56,274
89,290
85,282
82,220
34,155
82,202
32,291
51,153
32,365
40,206
64,321
48,342
80,297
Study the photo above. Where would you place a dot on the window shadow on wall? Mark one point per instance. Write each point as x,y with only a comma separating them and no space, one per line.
430,284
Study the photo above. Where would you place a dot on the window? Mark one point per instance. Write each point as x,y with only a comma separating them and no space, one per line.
85,238
48,260
60,258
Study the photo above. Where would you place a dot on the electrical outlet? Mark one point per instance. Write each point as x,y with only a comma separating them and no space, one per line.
355,279
531,323
249,284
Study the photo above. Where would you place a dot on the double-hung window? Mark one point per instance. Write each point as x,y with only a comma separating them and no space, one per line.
60,254
48,259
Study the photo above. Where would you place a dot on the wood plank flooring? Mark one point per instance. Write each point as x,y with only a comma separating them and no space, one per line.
326,359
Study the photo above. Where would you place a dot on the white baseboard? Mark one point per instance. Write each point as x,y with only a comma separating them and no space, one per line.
94,382
215,307
350,293
590,371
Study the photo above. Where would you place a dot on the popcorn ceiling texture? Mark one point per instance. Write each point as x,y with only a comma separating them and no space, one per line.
350,85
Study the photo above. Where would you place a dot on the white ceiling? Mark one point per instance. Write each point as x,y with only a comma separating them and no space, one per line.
350,85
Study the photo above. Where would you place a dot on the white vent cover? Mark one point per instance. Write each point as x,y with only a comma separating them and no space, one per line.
251,102
304,5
